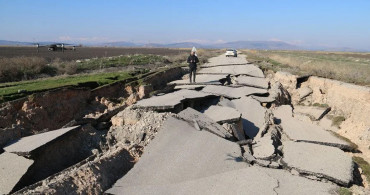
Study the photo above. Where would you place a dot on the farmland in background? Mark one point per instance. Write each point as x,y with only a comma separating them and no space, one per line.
23,71
84,52
348,67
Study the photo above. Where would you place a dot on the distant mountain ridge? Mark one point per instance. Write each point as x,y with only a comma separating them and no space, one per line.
235,45
14,43
118,44
270,45
22,43
258,45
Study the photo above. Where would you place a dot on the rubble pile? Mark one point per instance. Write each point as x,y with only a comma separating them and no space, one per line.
135,129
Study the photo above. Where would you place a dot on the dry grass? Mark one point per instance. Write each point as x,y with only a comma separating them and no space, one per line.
69,68
365,166
19,68
203,55
344,191
343,66
27,68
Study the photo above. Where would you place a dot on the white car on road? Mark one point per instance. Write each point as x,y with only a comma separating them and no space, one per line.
231,52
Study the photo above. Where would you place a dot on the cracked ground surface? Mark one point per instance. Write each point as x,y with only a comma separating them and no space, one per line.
195,164
234,132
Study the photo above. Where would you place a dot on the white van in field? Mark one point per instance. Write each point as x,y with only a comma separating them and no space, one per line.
231,52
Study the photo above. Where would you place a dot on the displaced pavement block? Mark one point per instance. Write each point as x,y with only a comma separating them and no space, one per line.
26,145
170,100
190,87
253,115
179,153
297,130
267,99
222,114
315,113
202,79
291,184
236,129
318,160
12,168
264,148
251,180
282,112
252,82
244,181
233,92
204,122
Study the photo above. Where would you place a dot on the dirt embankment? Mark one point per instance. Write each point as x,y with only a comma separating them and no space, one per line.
53,109
105,144
349,101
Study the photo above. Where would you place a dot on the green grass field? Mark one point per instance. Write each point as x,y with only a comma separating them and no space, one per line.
9,91
120,61
349,67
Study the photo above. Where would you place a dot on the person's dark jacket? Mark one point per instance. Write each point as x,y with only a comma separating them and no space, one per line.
193,60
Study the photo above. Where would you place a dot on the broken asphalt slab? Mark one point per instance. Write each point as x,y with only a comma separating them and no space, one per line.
291,184
321,161
12,168
267,99
253,115
252,81
202,79
251,180
314,112
267,143
222,114
283,111
190,87
277,95
248,69
233,92
204,122
237,130
171,100
180,153
26,145
244,181
264,148
297,130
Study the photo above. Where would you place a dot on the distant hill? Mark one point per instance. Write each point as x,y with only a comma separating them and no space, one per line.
14,43
152,45
258,45
19,43
185,45
235,45
119,44
270,45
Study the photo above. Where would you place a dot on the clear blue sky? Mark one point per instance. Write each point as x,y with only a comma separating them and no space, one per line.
335,23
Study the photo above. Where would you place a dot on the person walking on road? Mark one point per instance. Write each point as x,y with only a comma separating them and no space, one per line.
192,60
